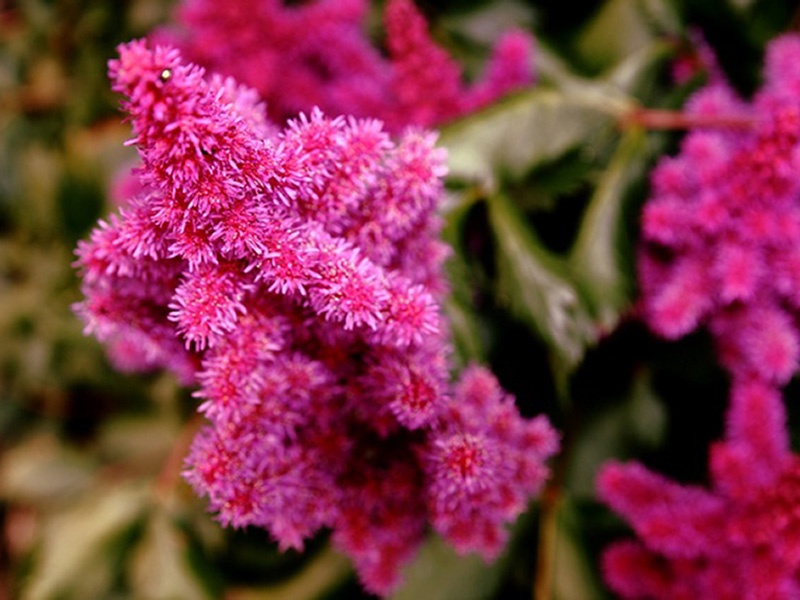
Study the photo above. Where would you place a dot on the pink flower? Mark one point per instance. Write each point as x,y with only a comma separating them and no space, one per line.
427,81
738,539
719,229
296,279
318,54
484,462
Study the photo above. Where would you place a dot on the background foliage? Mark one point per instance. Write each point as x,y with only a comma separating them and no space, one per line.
545,189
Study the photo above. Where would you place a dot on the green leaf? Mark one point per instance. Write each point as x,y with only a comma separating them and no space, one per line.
574,578
489,22
159,567
514,135
619,29
438,573
43,472
633,423
323,573
536,286
73,559
464,323
596,257
634,70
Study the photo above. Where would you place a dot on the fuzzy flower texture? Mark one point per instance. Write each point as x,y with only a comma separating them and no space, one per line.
295,278
721,249
721,231
301,55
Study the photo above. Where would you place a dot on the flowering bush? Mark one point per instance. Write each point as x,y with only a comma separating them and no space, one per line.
392,304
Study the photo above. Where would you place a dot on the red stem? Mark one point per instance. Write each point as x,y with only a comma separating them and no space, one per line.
651,118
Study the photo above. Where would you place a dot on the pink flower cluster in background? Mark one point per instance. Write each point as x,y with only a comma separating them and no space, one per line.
295,277
721,231
721,249
319,54
738,539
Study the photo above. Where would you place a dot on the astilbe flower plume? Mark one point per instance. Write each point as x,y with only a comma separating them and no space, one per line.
295,279
739,539
319,54
721,231
721,234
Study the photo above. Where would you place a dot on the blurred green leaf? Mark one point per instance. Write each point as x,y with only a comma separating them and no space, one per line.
438,573
490,21
538,126
513,136
325,571
43,472
638,421
159,568
596,258
663,16
143,441
574,578
619,28
634,70
464,323
536,286
73,560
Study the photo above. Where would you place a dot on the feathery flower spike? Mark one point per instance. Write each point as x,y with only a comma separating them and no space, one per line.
295,278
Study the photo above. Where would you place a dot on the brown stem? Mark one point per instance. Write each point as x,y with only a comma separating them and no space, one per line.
170,473
548,539
651,118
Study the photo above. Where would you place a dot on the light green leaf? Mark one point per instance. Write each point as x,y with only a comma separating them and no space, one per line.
663,15
159,569
573,578
438,573
73,560
596,258
43,472
514,135
490,21
536,286
632,71
618,29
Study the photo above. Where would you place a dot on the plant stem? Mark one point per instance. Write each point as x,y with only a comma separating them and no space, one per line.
548,539
170,473
651,118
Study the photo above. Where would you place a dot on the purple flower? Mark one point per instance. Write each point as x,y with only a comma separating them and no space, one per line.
295,278
427,82
721,228
318,54
738,539
483,463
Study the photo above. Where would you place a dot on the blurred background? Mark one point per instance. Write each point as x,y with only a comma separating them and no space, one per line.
92,504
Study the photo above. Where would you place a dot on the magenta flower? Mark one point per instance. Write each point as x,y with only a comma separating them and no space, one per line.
318,54
738,539
295,278
721,231
484,462
427,82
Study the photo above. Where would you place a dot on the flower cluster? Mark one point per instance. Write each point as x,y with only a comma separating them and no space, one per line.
721,248
721,232
295,277
318,54
739,539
